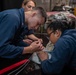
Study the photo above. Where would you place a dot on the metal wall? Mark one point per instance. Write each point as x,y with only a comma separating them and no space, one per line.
49,4
44,3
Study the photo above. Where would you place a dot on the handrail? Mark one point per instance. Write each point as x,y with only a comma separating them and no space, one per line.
13,66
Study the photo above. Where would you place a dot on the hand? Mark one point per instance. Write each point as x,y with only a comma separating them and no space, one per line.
40,40
36,46
42,55
41,47
28,41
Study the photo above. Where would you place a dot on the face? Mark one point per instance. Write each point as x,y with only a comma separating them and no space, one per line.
53,36
29,6
35,21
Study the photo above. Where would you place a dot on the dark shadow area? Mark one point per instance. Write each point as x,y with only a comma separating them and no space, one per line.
10,4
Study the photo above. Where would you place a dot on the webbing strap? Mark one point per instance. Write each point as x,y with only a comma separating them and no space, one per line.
13,66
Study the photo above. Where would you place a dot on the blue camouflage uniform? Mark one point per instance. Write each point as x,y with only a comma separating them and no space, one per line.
63,54
12,31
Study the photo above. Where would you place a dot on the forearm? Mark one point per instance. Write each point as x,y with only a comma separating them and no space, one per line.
22,44
27,50
10,51
33,37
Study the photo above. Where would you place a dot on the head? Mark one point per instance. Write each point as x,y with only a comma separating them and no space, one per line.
36,17
57,25
28,5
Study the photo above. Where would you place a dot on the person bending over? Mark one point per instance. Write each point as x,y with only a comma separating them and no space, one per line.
14,25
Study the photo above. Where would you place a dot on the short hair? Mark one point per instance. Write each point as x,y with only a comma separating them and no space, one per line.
61,22
42,12
26,1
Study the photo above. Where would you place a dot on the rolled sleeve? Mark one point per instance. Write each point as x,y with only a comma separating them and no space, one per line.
31,32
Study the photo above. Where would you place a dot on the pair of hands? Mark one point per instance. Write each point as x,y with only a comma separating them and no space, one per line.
28,41
36,46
